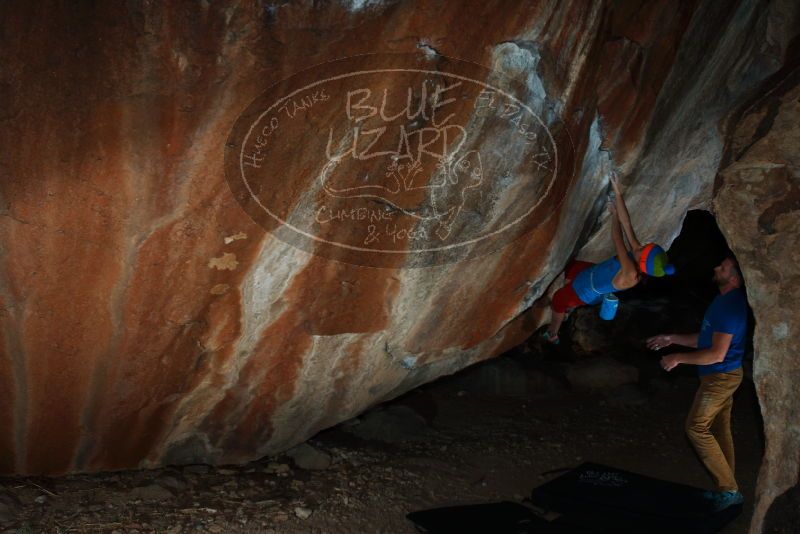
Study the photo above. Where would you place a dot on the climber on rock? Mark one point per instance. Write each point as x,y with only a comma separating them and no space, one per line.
588,283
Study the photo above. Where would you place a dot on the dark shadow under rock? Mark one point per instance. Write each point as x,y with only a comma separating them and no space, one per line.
393,424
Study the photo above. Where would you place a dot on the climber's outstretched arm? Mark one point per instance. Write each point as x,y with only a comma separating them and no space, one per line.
628,274
622,212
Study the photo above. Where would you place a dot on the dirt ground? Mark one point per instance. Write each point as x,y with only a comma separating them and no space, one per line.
476,439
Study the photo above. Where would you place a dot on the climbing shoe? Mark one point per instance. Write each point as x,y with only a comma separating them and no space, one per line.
723,499
552,340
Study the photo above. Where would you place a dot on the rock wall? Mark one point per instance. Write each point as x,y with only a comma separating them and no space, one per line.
146,319
757,204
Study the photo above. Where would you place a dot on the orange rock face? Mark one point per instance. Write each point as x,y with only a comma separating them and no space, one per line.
148,317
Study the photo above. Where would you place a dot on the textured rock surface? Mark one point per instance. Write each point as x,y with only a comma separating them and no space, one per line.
144,318
758,208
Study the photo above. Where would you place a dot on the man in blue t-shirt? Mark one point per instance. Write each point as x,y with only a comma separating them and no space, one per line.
720,344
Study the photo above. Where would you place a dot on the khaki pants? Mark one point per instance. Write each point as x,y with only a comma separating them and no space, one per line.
709,426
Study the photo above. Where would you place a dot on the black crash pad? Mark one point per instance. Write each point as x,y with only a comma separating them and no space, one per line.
591,498
607,499
495,518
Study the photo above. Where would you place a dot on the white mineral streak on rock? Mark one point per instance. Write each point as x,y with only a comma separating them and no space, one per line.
318,403
521,65
414,284
436,286
268,278
512,62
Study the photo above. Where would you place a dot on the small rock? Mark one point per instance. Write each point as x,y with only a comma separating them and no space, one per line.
307,457
41,499
302,513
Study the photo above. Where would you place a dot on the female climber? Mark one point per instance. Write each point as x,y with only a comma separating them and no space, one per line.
587,283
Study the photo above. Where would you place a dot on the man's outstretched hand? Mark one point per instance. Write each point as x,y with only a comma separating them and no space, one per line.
659,342
668,363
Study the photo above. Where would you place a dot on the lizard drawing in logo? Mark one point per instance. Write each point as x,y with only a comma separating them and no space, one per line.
403,185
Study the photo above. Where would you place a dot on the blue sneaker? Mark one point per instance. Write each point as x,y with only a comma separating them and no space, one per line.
723,499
